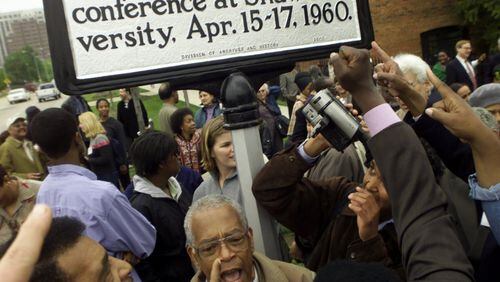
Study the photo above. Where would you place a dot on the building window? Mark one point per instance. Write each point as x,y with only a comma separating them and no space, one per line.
441,39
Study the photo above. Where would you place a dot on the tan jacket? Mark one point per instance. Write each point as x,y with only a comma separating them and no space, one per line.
273,271
9,224
14,159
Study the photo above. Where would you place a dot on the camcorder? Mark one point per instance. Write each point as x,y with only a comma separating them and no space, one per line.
332,119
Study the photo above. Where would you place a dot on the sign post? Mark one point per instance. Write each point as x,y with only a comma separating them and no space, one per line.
241,116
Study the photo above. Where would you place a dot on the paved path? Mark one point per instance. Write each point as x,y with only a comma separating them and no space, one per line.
7,110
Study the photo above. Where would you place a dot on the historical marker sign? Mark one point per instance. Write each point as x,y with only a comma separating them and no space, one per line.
104,44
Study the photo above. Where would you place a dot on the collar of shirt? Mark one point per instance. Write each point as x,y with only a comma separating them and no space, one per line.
143,185
464,64
460,59
383,224
72,169
215,175
17,143
28,148
25,144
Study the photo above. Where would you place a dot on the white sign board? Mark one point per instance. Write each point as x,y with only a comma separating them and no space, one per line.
109,38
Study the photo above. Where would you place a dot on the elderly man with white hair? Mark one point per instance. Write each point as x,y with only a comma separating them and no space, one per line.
414,70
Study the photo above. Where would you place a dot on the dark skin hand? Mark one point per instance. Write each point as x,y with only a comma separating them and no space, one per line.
388,74
365,206
354,72
457,116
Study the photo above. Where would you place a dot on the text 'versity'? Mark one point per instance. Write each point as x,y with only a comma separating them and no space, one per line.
253,16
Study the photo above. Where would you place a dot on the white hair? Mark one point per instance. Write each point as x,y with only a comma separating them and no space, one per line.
409,63
211,202
265,86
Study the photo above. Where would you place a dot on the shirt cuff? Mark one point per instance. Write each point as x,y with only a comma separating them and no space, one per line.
379,118
302,153
483,194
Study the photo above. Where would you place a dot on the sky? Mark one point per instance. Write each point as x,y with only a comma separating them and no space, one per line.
17,5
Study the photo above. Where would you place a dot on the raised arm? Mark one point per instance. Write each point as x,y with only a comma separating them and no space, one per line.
430,247
286,194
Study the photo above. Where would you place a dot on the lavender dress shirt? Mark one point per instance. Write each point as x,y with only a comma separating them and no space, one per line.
109,218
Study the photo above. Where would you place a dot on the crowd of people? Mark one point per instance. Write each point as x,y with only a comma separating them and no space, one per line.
418,201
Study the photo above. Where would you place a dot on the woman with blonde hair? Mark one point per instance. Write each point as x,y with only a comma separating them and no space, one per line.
100,152
218,160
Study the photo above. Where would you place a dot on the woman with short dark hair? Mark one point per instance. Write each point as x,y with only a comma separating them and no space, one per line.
161,199
187,137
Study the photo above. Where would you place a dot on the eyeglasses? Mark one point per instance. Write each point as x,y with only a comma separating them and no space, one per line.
235,242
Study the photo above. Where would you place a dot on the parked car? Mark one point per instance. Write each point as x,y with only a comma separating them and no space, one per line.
17,95
47,91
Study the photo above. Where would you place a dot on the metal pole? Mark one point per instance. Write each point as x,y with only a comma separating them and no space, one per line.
137,106
250,160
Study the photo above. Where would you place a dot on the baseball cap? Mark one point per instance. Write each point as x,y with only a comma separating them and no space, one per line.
14,119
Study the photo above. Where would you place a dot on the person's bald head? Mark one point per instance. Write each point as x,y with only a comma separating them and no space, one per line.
167,94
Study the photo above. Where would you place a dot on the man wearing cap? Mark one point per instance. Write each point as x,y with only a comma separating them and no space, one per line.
17,154
488,97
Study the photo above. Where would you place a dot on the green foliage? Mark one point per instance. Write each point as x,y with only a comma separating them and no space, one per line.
24,66
48,73
3,76
483,16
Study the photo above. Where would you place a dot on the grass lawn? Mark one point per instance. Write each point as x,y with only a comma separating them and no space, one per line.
106,94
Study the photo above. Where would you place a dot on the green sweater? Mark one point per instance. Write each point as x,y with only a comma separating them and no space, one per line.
14,159
439,71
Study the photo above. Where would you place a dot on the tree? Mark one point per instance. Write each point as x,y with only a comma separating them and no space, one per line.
484,17
48,73
3,78
23,66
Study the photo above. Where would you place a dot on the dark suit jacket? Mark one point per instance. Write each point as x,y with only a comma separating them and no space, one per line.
455,72
127,116
430,248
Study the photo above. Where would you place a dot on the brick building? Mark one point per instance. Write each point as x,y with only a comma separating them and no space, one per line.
416,26
18,29
420,27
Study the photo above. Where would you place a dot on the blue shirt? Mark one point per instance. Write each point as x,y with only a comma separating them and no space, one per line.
490,202
109,218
